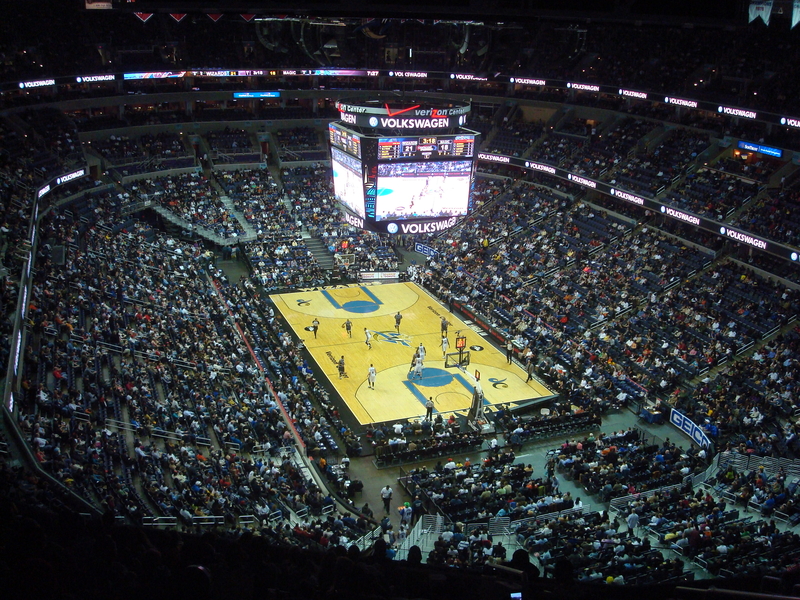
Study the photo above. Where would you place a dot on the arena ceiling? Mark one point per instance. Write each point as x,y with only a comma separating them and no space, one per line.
517,10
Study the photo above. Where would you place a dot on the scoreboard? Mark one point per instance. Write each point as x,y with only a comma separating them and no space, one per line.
344,139
404,184
426,147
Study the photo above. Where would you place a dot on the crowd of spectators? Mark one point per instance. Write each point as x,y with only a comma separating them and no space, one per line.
299,143
57,133
703,528
150,344
746,403
591,547
578,239
165,144
255,194
282,261
44,529
555,149
754,168
623,463
191,197
712,194
551,423
420,439
279,358
608,149
652,172
308,190
46,145
230,141
772,215
514,138
118,149
495,486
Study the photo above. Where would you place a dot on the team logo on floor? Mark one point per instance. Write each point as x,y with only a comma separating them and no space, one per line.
476,348
392,337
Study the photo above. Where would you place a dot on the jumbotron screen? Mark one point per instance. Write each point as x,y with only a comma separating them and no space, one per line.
415,190
348,182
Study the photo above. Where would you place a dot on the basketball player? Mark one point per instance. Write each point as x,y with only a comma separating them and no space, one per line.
418,368
413,362
371,375
368,338
397,318
445,346
340,366
445,323
421,351
348,325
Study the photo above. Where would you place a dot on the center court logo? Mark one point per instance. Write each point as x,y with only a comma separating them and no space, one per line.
392,337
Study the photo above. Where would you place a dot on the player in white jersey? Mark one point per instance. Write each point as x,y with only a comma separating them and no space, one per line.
371,375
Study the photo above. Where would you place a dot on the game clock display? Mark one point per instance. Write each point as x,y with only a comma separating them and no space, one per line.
405,148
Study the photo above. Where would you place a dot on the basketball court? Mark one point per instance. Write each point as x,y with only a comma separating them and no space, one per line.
400,393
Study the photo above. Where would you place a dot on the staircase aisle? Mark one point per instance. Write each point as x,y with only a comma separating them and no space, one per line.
249,233
320,251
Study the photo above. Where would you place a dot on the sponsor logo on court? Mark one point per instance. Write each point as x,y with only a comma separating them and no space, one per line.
434,311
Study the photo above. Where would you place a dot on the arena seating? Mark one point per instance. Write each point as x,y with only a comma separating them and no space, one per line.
134,335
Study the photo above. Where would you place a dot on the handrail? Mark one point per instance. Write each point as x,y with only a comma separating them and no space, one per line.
37,467
167,435
750,462
120,425
616,504
366,541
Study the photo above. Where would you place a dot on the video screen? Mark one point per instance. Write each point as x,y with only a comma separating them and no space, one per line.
348,185
423,189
